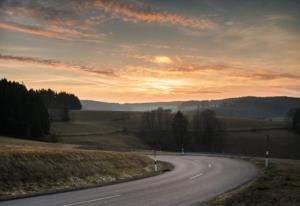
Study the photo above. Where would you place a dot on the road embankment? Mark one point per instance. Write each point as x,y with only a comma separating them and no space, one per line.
32,170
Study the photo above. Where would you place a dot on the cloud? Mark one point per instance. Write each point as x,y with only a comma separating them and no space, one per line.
193,91
52,20
160,60
229,70
163,60
52,31
57,64
134,12
196,67
29,29
60,21
271,75
277,17
212,71
53,11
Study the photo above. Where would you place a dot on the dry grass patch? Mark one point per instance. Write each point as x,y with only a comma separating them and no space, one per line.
278,185
29,169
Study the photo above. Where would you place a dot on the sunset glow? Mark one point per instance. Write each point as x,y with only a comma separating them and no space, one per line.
145,51
163,60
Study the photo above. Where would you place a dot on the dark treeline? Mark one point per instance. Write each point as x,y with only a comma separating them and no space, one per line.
26,113
22,112
293,119
296,120
163,130
61,100
156,129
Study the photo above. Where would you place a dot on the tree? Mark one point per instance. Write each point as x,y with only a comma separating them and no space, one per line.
289,117
22,112
296,120
207,131
179,127
65,115
155,128
59,100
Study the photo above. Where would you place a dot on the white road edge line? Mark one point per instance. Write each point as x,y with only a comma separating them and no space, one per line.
94,200
200,174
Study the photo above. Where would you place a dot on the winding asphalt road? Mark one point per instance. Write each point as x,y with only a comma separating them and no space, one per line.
195,179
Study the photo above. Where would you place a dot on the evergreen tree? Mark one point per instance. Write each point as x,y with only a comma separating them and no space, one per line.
22,112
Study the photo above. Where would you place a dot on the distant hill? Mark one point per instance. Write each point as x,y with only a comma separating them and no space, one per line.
106,106
246,107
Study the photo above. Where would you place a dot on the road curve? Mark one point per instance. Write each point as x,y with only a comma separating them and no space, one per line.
195,179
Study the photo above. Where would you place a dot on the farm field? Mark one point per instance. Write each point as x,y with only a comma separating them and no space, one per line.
115,130
101,130
282,143
244,123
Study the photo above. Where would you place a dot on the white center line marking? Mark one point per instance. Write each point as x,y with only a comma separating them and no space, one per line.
209,165
94,200
191,178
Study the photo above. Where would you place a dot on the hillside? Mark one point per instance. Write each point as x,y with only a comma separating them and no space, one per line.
244,107
111,130
106,106
118,130
30,166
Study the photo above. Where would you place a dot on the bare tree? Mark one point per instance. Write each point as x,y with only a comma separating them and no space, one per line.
180,127
207,130
296,120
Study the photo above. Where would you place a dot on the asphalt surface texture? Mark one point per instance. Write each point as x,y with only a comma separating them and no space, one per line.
194,180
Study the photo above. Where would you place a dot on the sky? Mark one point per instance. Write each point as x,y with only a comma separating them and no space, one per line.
153,50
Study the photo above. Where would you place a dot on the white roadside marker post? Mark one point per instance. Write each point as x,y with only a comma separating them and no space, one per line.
267,152
267,159
155,166
155,162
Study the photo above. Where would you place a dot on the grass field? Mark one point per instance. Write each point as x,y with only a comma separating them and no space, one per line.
29,166
282,143
244,123
100,129
235,123
278,185
117,131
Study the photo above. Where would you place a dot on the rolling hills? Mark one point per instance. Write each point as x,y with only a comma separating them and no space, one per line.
242,107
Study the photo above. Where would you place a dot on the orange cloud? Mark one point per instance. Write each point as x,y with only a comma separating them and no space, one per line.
160,82
196,67
51,31
57,64
270,75
133,12
162,60
28,29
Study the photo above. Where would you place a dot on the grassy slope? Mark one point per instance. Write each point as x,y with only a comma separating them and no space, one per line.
283,143
244,123
278,185
104,130
100,129
29,166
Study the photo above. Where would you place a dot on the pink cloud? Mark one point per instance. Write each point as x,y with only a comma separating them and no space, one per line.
52,31
57,64
133,12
